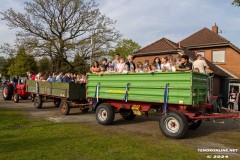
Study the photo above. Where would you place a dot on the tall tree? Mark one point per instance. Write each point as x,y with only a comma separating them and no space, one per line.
125,47
22,63
57,28
44,65
2,61
236,2
80,65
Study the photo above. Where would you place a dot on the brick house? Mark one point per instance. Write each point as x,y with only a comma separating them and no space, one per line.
221,55
220,52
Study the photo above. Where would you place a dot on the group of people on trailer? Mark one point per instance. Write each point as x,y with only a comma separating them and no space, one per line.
166,64
121,66
57,77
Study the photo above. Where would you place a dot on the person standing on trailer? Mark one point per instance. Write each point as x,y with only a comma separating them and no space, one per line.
116,61
130,63
185,64
200,65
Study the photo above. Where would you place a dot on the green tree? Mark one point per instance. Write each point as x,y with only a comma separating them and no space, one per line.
22,63
2,61
236,2
80,65
5,66
44,65
125,47
57,28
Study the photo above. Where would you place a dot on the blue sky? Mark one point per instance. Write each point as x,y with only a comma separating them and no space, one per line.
146,21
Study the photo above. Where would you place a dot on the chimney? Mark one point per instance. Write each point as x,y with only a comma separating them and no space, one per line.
215,29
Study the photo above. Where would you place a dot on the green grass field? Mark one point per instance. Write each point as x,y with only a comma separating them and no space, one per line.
22,137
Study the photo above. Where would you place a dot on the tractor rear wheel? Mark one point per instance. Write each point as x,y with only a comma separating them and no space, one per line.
7,92
173,124
38,102
16,97
65,108
127,114
105,114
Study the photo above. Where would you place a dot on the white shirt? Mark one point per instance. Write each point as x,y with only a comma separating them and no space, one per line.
120,67
201,65
167,66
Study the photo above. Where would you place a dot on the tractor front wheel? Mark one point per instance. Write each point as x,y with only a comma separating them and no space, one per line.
16,98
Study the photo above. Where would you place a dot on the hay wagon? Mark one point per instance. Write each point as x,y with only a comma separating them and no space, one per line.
64,95
180,96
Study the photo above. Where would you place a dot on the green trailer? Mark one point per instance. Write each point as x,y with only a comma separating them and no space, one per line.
179,95
64,95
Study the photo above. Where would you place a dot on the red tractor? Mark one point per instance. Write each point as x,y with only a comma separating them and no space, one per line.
9,91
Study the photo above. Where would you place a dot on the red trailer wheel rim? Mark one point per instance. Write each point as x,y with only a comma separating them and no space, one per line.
5,92
64,107
102,114
172,124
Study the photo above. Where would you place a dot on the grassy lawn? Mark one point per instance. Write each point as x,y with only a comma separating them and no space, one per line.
26,138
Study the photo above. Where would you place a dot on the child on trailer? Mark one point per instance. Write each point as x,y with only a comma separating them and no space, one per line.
102,70
125,69
120,65
132,70
145,68
165,65
153,68
111,70
139,68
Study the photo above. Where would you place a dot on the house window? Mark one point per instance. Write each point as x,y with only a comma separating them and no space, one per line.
200,53
218,56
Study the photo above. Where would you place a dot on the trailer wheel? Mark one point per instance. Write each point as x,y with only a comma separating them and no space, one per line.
57,102
7,92
33,97
16,98
65,108
105,114
194,125
173,124
127,114
38,102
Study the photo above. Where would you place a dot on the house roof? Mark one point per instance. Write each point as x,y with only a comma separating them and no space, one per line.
163,45
204,37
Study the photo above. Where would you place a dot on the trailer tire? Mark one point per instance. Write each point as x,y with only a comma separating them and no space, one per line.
32,97
105,114
57,102
38,102
16,98
194,125
7,92
173,124
65,108
127,114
